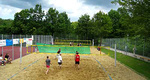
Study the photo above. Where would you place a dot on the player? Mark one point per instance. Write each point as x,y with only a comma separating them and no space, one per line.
59,50
59,60
58,53
48,62
78,44
1,59
98,48
70,43
77,59
7,58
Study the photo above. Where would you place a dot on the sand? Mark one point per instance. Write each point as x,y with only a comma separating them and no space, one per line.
89,68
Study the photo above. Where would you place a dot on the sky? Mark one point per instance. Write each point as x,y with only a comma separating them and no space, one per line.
74,8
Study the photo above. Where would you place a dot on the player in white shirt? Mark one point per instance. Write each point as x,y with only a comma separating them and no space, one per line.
70,43
59,60
58,52
2,60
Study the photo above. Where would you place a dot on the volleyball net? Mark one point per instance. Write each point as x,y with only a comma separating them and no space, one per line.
47,48
73,42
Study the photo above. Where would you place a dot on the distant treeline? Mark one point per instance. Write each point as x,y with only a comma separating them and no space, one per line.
132,19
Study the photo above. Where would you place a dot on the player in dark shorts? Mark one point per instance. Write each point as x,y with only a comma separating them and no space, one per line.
70,43
78,44
48,62
7,58
77,59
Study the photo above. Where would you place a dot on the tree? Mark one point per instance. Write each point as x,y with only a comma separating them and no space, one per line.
74,25
34,21
29,21
64,24
5,26
20,22
83,26
140,13
36,24
117,30
125,22
51,20
102,25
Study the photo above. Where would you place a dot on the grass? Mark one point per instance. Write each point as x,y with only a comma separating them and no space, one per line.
140,66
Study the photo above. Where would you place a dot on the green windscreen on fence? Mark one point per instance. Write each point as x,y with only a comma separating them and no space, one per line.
46,48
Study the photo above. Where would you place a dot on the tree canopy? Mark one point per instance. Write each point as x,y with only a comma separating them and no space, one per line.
132,18
35,21
139,13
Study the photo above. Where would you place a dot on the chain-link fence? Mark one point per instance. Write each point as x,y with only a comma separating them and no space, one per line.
10,44
132,45
46,39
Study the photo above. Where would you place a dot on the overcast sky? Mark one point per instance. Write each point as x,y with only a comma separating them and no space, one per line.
74,8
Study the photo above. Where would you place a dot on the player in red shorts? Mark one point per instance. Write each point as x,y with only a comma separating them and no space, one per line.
77,59
48,62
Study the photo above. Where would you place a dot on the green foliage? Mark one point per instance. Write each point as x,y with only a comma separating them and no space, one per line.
35,21
83,26
140,66
102,25
139,13
29,21
132,19
98,27
64,24
5,26
74,25
51,20
117,30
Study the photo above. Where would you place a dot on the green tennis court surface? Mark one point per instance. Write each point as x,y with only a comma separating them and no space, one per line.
46,48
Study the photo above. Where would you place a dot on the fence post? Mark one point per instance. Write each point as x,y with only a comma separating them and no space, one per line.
20,50
93,42
109,43
12,49
2,46
115,54
126,49
52,40
48,39
42,38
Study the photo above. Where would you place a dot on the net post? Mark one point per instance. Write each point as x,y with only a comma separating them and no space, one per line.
31,48
27,48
